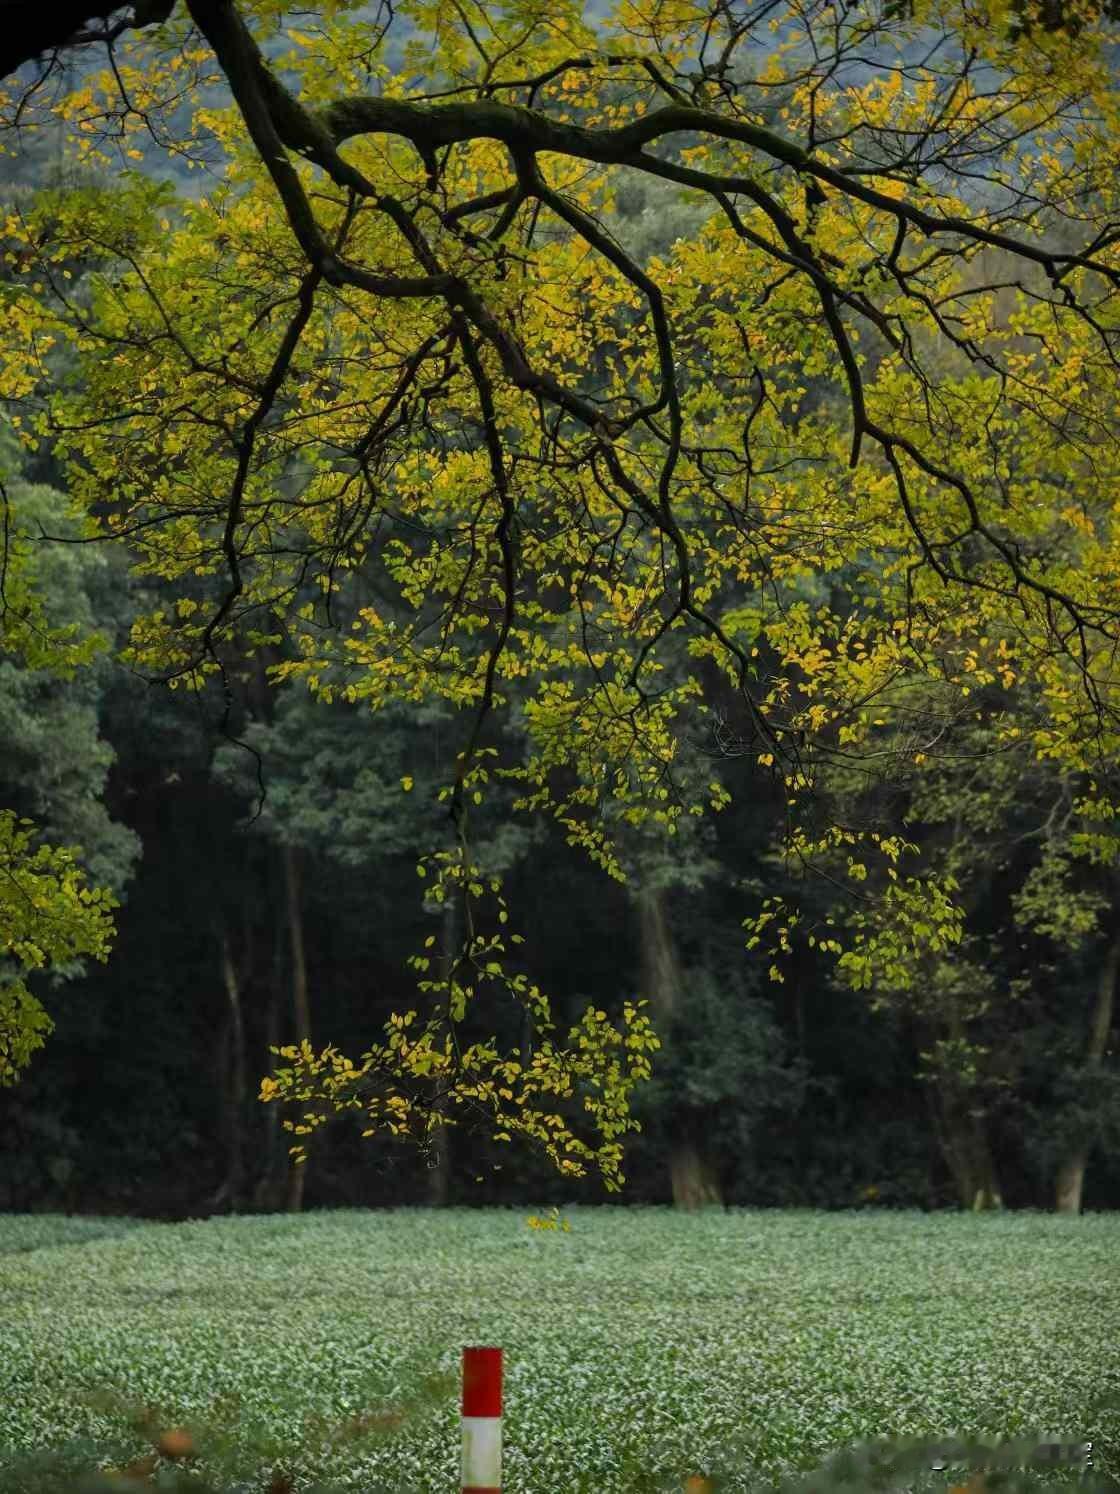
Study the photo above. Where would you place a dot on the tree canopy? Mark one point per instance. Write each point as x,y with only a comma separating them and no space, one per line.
791,471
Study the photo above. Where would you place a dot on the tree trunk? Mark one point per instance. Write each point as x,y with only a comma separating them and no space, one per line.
268,1192
693,1179
691,1174
439,1163
1071,1173
301,1003
231,1190
963,1137
270,1188
1070,1180
961,1126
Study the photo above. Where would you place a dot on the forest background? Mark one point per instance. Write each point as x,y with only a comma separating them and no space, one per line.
819,1045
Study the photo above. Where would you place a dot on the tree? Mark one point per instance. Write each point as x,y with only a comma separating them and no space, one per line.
357,793
1011,1020
55,834
809,442
1044,870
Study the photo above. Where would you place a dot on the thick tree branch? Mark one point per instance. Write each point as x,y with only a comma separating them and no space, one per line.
30,28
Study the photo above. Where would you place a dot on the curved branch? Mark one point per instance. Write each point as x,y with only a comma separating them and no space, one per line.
32,29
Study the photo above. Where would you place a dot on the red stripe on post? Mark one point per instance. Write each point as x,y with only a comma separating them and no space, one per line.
482,1382
482,1421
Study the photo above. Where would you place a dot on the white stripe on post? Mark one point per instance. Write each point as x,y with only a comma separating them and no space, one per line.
482,1421
482,1454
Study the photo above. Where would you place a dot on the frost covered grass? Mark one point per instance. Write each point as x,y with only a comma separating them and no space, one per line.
642,1346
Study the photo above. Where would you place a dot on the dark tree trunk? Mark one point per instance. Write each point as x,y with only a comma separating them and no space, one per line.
691,1175
271,1187
301,1003
268,1193
1071,1173
233,1083
439,1163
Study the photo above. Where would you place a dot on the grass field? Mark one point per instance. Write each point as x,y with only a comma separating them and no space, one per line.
640,1347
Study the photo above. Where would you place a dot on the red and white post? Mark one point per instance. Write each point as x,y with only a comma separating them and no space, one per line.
482,1421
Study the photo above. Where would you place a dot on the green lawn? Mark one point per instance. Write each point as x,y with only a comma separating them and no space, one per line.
641,1346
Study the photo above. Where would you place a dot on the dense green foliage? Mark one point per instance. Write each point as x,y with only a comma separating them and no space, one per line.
804,1095
55,833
